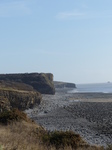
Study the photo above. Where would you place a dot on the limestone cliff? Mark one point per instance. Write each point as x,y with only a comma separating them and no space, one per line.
58,84
42,82
22,90
12,98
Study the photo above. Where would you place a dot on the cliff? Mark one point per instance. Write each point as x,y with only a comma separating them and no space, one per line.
22,91
41,82
12,98
58,84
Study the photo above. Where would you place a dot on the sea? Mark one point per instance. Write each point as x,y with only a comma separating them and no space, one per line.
96,87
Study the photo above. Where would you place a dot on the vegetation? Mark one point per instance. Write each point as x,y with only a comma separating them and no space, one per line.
21,133
28,136
18,132
11,116
18,99
15,86
60,139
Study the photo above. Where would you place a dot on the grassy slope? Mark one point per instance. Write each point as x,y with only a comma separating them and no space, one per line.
15,86
23,134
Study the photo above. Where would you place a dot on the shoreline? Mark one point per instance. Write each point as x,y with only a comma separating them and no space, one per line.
88,114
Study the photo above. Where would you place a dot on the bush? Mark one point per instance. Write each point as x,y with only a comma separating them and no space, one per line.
60,139
11,116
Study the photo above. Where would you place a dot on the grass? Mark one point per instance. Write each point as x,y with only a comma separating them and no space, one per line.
1,148
20,133
15,86
60,139
13,115
14,90
28,136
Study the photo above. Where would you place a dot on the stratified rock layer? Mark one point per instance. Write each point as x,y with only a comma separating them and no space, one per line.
18,99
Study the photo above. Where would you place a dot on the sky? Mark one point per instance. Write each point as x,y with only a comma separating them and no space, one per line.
70,39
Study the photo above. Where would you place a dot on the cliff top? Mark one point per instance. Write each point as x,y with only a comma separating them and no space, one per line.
42,82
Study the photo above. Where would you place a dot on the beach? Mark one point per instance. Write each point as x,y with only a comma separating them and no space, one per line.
89,114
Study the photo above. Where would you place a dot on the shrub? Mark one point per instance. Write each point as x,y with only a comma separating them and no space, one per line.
11,116
60,139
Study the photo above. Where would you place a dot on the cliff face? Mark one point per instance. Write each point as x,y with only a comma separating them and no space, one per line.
22,90
58,84
41,82
18,99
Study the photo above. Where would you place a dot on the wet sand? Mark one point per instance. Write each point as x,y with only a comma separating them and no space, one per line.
89,114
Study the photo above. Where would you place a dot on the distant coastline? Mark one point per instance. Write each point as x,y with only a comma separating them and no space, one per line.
95,87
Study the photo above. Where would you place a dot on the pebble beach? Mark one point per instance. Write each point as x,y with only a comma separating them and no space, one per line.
88,114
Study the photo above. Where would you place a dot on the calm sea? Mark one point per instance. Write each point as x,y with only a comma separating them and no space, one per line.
99,87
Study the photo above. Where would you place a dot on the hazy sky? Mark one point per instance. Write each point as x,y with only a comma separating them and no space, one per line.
70,38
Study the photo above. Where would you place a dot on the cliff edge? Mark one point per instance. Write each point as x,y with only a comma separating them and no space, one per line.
23,91
17,95
41,82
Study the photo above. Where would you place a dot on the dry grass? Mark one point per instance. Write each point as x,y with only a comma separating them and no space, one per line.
27,136
13,115
20,133
19,136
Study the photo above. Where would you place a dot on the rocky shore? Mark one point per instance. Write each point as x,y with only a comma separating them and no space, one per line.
89,114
